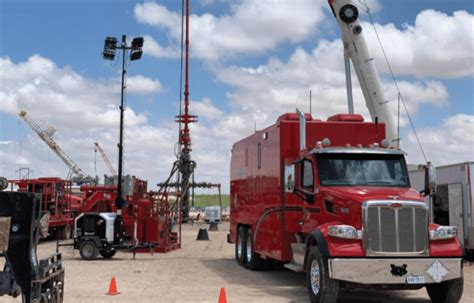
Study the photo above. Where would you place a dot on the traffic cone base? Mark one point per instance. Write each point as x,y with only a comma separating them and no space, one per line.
113,288
222,296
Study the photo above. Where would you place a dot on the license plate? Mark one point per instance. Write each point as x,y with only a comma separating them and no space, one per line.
415,280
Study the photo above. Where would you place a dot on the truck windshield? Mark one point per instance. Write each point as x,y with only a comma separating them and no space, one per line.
362,169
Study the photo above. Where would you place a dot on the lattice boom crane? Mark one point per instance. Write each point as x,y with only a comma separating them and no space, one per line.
105,158
46,136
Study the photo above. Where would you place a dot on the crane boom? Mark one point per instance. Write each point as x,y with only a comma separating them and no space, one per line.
355,47
105,158
46,137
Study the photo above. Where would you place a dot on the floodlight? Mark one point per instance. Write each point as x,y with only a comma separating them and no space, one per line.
137,43
109,54
110,45
110,42
135,54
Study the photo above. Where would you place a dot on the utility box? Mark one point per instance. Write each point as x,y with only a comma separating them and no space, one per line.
452,204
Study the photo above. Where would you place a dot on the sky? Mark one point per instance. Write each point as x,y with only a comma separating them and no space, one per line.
251,61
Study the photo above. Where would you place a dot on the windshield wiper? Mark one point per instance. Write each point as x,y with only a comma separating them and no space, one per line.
381,183
338,182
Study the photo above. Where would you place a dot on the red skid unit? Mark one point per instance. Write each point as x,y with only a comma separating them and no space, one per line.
57,199
146,218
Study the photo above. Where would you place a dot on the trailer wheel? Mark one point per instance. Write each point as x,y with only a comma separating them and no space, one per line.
252,259
88,250
446,292
66,231
240,246
107,254
321,288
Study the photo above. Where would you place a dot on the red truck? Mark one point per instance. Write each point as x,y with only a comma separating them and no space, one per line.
337,204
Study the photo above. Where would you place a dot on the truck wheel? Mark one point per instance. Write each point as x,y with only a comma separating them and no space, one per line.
88,250
66,232
107,254
240,246
446,292
252,259
321,288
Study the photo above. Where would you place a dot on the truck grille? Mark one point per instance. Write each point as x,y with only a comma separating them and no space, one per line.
396,230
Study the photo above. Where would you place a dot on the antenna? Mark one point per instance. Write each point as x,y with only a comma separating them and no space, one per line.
310,104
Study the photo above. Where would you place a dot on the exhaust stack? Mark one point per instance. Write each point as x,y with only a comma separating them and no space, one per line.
302,129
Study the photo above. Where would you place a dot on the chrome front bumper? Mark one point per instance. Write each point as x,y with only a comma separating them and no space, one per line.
380,271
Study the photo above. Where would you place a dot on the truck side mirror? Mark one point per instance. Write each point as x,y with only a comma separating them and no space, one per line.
289,180
430,179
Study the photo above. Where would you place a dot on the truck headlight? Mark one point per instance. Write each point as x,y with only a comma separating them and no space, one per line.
344,232
443,233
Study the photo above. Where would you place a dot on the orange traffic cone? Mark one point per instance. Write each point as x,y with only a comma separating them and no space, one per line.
222,297
113,288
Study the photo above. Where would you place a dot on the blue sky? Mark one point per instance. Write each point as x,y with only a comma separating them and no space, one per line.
70,34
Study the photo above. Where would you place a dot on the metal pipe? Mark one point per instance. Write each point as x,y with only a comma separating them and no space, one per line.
120,202
350,102
302,129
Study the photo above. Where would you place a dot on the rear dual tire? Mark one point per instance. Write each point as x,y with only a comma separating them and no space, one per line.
245,254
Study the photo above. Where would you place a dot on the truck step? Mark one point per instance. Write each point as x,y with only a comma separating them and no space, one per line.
294,267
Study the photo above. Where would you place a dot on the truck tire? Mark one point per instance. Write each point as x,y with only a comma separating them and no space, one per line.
446,292
240,246
107,254
88,250
252,259
66,231
321,288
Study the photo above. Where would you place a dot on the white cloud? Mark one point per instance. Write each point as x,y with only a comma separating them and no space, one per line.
251,27
153,48
437,44
278,87
206,109
450,142
63,97
142,85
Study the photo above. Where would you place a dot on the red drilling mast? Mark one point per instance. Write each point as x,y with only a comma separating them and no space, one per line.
184,166
185,119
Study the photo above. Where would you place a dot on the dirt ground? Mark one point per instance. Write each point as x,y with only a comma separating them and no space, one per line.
196,273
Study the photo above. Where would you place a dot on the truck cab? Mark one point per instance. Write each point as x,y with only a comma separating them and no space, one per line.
362,224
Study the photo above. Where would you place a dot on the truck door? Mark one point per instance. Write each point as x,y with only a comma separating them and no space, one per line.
307,185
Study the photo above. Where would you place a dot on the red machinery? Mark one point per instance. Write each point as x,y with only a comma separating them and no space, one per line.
147,219
57,200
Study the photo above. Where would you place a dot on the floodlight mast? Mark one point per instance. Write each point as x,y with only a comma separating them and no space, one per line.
110,46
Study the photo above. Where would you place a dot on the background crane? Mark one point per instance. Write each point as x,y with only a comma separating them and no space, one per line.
105,158
80,176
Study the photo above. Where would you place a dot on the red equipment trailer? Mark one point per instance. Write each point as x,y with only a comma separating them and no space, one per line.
147,220
341,210
57,200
